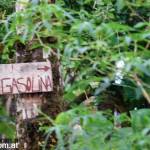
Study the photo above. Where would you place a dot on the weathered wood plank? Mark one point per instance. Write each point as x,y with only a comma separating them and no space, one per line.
25,78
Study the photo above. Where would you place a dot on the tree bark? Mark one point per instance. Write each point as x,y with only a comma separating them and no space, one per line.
50,103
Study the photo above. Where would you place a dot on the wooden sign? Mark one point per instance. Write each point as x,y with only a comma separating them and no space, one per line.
25,78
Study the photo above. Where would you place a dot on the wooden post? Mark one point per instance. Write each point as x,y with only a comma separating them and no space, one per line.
49,102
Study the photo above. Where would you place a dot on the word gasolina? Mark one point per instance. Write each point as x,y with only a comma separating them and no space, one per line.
25,78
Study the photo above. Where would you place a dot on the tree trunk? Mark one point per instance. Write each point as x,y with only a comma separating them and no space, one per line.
50,103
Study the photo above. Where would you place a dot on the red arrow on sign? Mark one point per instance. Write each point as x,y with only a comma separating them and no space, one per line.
45,68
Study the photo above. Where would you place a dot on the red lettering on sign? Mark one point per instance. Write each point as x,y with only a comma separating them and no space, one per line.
2,85
45,84
14,83
28,86
33,86
25,78
49,81
22,84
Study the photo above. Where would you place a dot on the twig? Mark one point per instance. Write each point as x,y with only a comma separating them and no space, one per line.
94,4
140,84
148,44
135,46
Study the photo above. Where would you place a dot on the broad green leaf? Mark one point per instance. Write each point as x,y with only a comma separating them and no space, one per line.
5,56
120,5
111,15
8,130
140,24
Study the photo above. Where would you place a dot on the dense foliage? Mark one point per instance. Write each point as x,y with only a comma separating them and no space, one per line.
94,37
7,125
80,129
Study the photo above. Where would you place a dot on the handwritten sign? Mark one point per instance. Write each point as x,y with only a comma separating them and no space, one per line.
25,78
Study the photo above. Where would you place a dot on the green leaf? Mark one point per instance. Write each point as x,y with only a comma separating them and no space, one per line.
140,24
35,45
7,125
34,2
86,26
5,56
111,15
138,92
85,136
58,133
47,117
25,35
103,86
6,25
6,36
82,49
92,103
120,5
47,25
72,139
36,26
142,68
8,130
47,137
146,35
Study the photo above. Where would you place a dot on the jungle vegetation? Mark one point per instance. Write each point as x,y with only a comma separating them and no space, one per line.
104,51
